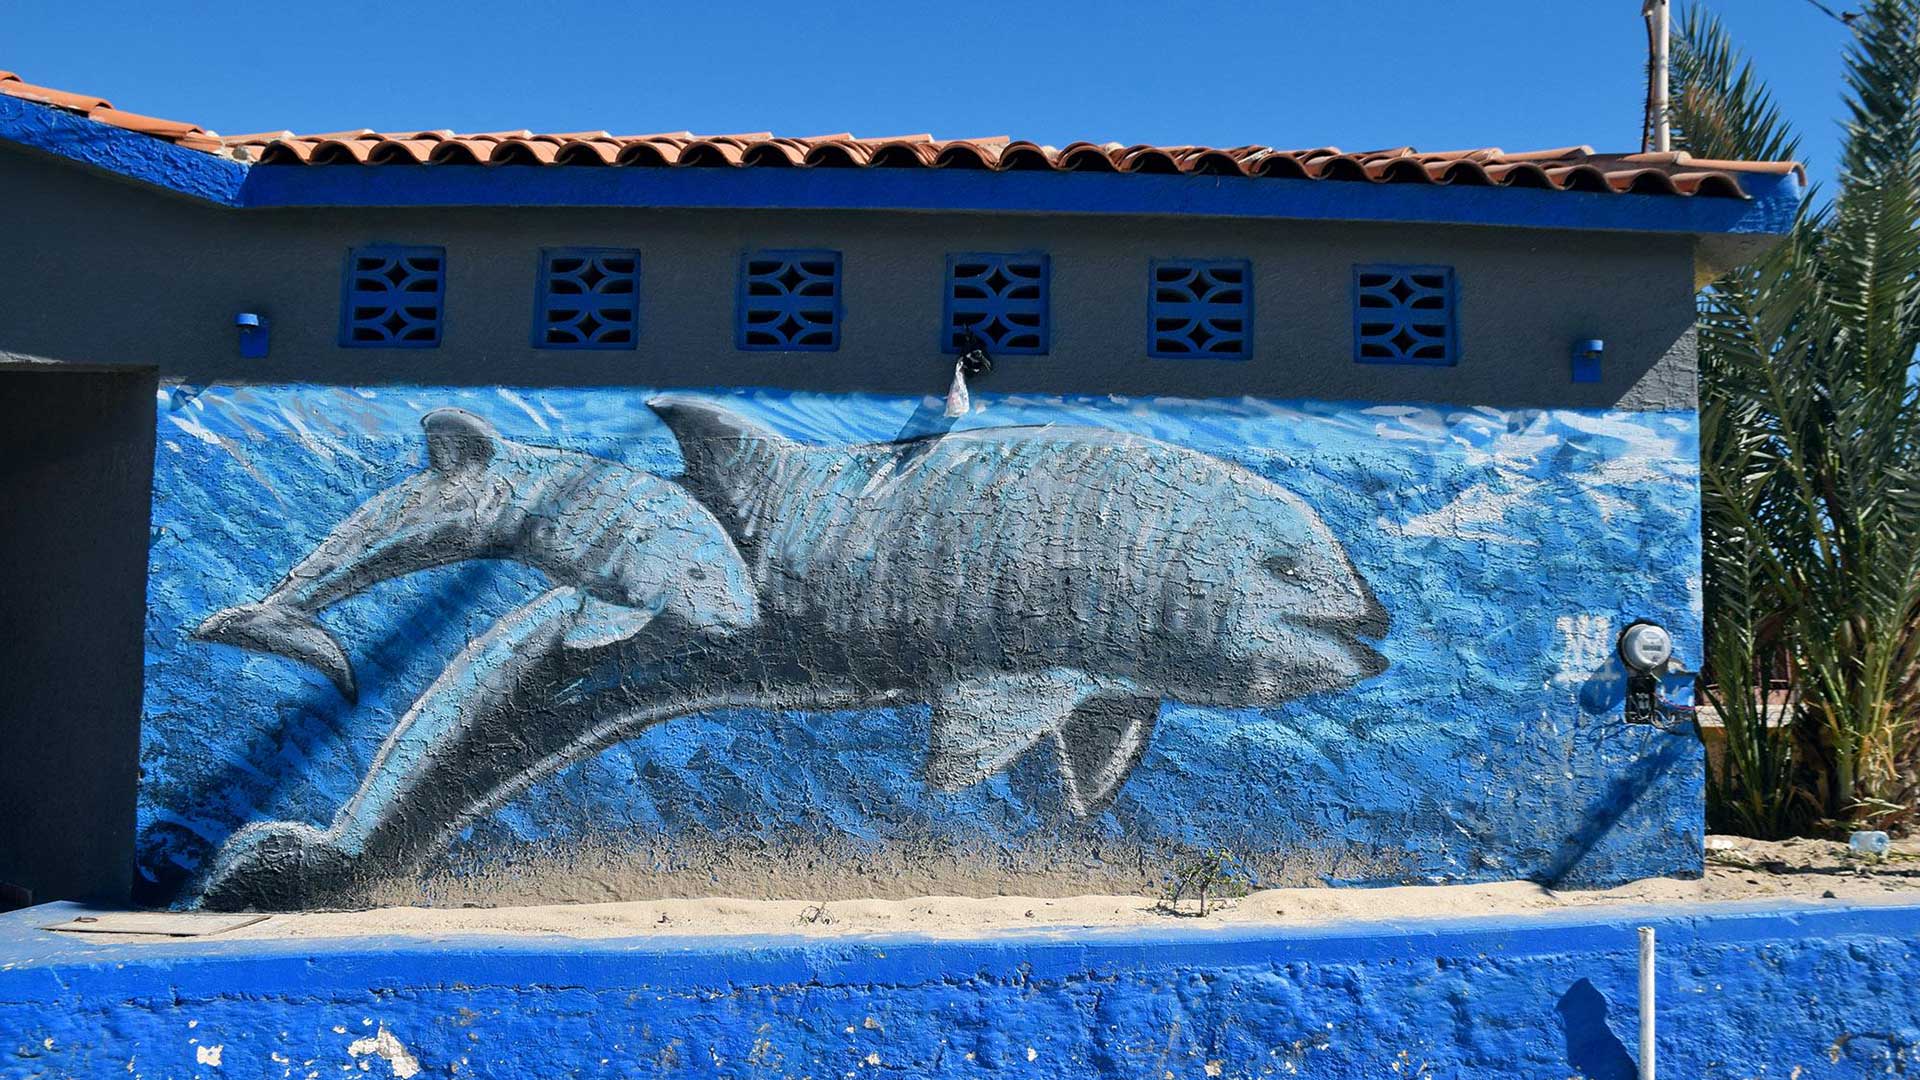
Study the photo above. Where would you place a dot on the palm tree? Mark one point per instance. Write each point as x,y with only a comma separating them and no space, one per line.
1810,450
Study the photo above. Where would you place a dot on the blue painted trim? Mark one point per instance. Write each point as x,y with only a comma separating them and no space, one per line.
1770,212
351,295
596,302
200,175
1198,311
1401,316
193,173
787,303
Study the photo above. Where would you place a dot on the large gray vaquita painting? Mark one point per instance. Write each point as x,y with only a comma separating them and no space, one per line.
1040,588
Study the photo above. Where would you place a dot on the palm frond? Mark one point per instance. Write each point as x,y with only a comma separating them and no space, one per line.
1810,447
1718,105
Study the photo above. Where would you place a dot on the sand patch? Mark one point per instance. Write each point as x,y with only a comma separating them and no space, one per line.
1736,870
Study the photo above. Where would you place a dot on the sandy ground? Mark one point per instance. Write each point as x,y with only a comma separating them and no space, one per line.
1736,870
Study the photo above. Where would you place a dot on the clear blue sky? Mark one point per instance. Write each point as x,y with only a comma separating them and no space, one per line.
1359,74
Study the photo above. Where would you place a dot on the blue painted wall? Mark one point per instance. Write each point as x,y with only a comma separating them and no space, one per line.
1508,548
1816,993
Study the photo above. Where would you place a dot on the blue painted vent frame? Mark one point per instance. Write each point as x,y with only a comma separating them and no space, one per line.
589,298
1003,298
1405,315
393,297
789,301
1200,309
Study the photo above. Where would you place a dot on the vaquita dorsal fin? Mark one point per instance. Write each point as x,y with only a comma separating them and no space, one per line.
458,442
729,458
697,422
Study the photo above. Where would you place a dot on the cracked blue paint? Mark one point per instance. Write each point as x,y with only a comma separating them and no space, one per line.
1817,992
1508,547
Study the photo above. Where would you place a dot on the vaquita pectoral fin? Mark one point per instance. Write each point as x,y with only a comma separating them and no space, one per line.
283,631
1100,744
982,725
979,727
600,623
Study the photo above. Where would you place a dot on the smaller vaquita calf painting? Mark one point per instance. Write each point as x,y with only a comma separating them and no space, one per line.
453,645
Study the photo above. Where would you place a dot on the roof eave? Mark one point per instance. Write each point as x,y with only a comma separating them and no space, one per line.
196,174
1768,212
1716,253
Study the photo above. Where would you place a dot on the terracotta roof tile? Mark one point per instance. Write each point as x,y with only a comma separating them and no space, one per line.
81,103
1569,168
191,136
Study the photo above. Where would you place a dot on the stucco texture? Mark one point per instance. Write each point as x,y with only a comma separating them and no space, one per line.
1813,992
1525,297
1469,729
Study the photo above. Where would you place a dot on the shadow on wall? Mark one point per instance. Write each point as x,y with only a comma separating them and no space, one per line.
314,720
76,455
1592,1047
1642,775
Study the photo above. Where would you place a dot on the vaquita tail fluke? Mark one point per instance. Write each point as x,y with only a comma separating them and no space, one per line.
284,631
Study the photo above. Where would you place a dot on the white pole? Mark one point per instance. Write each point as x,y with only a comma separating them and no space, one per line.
1646,1003
1660,29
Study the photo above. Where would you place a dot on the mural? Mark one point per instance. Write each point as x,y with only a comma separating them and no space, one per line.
1046,583
961,642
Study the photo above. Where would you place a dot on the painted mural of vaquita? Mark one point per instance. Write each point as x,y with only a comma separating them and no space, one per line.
407,635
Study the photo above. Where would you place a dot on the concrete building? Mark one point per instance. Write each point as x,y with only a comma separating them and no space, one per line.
427,517
419,518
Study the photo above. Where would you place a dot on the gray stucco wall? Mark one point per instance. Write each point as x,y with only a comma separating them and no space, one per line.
113,273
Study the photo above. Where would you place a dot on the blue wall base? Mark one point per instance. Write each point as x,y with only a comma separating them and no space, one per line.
1809,991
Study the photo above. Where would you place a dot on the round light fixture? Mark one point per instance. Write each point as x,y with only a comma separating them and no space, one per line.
1646,647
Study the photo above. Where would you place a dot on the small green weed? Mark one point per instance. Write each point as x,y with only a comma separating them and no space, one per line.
1203,879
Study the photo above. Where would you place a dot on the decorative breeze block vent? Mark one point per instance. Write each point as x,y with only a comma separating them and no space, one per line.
589,299
790,301
393,297
1200,308
1000,298
1404,315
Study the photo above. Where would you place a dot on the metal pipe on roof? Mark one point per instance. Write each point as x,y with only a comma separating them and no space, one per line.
1658,14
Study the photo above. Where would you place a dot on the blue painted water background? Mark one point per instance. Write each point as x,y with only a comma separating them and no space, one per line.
1508,546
